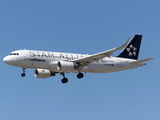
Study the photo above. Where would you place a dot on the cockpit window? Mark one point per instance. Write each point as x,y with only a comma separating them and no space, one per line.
14,54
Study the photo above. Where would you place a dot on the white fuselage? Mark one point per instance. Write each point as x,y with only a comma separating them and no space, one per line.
45,60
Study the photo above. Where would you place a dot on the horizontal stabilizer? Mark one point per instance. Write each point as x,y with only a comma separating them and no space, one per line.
141,61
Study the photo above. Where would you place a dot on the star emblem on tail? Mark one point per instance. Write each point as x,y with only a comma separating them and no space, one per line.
132,50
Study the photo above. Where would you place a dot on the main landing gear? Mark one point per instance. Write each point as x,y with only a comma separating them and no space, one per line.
65,80
80,75
24,70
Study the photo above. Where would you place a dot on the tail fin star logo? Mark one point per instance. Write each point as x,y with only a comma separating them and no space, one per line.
131,50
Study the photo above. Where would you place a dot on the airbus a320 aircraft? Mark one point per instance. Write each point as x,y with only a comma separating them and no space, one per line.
48,64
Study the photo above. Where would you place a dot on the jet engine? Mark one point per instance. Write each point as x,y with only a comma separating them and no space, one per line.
43,73
65,66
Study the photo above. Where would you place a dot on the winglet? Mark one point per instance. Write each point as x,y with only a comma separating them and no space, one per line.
118,48
126,43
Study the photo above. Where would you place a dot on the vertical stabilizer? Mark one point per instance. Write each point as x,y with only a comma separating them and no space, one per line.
132,49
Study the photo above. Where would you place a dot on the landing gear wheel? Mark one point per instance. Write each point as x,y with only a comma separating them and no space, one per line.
24,70
23,74
80,75
64,80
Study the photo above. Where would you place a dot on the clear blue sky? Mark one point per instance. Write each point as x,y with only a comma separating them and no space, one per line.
84,26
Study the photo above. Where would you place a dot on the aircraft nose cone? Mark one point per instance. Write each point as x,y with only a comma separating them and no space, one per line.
7,60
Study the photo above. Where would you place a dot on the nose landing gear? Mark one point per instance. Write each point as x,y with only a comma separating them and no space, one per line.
24,70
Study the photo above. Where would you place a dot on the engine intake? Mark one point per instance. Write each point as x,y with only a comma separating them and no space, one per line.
43,73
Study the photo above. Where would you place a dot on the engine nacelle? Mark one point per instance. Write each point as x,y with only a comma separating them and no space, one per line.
65,66
43,73
53,65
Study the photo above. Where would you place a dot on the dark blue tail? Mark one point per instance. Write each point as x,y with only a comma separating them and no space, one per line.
132,49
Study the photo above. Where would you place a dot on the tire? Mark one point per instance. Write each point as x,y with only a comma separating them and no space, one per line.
64,80
80,75
23,74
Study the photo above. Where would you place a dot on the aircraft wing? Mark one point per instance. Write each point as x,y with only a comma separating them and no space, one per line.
95,57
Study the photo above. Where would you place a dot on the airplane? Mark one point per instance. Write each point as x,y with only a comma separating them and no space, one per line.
48,64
